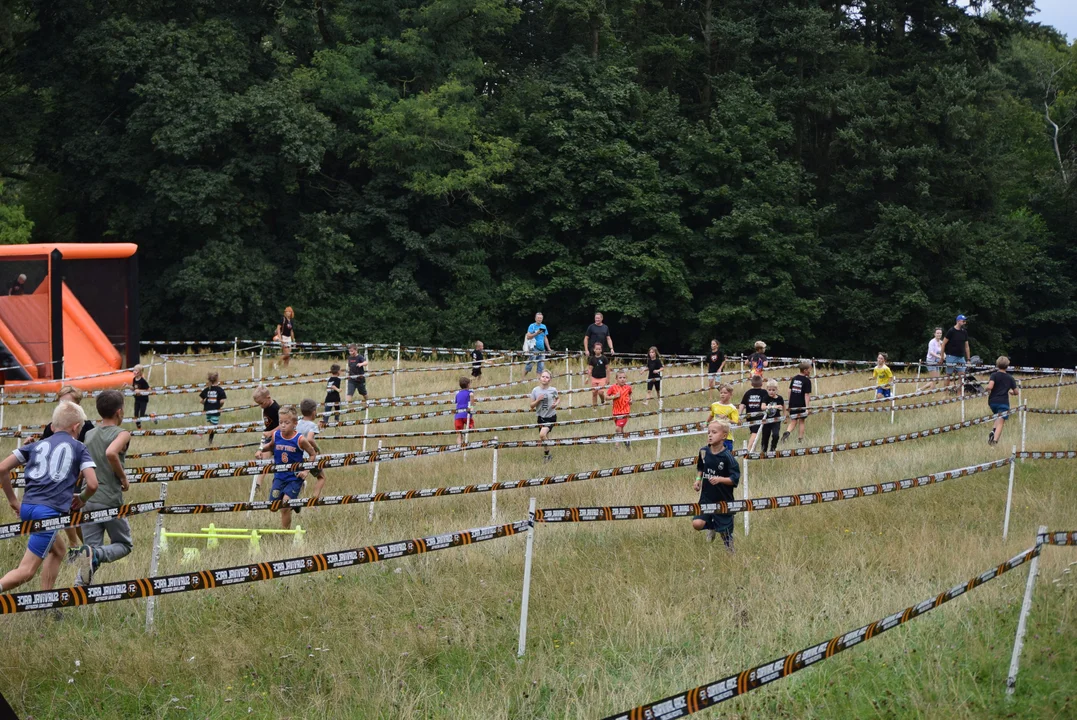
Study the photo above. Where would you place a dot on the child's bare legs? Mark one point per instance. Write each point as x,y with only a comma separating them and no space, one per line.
999,423
285,515
50,566
28,567
73,538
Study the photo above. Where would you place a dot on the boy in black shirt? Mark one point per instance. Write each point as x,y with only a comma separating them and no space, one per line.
799,399
717,474
356,372
213,398
999,387
270,420
332,395
775,406
142,395
751,408
477,359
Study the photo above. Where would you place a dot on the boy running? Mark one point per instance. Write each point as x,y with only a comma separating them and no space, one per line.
270,420
883,377
287,446
478,357
142,394
213,397
53,465
621,392
332,395
107,444
597,371
751,407
772,428
717,474
715,364
999,388
463,419
544,401
723,409
757,361
356,372
308,428
799,400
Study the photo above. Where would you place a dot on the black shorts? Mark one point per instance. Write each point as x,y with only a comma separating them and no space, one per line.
654,384
547,422
798,413
359,384
476,372
753,429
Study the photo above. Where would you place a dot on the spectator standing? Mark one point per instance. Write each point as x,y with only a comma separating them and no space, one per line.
286,335
598,333
934,358
955,349
538,340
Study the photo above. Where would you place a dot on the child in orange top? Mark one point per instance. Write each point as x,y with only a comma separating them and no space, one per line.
621,392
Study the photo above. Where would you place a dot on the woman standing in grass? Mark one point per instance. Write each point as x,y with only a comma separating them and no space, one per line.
286,335
934,358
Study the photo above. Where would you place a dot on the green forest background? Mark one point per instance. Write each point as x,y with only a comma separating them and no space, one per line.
832,177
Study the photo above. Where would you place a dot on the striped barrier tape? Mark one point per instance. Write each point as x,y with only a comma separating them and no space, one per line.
692,701
779,502
1047,454
1065,537
186,451
81,517
254,572
1049,411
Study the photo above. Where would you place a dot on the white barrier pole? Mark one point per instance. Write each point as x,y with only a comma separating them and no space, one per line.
658,445
366,425
833,414
892,404
529,552
374,485
3,401
702,379
962,381
1024,417
570,393
1058,392
744,478
1009,494
235,352
397,368
252,366
467,423
512,364
1022,622
493,493
155,556
261,357
165,366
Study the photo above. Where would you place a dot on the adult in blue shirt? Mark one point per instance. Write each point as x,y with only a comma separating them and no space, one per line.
538,340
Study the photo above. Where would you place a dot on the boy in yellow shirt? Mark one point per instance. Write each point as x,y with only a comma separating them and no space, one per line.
724,409
883,377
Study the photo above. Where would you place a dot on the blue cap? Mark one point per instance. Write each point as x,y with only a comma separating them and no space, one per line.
960,318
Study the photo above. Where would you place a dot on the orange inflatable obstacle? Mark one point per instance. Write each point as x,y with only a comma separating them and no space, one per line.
69,315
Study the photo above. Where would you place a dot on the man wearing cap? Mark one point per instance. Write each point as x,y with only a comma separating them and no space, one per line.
955,348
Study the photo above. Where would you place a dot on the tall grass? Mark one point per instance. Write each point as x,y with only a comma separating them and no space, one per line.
621,612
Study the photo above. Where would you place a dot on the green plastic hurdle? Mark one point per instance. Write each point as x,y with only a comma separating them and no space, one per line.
297,533
212,538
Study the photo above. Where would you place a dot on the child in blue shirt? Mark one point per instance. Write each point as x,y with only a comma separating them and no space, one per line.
462,418
53,466
287,446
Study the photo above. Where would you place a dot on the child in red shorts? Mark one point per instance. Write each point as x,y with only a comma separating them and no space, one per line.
463,419
621,392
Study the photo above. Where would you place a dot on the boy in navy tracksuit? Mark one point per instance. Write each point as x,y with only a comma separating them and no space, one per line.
717,474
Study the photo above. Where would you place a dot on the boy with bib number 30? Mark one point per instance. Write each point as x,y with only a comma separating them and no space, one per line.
52,470
287,446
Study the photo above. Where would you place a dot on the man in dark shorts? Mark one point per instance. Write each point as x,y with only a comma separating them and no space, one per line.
356,372
955,350
597,333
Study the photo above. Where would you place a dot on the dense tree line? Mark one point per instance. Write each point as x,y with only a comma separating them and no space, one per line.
832,177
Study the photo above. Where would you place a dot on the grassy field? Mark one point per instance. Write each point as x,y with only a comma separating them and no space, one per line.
621,613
